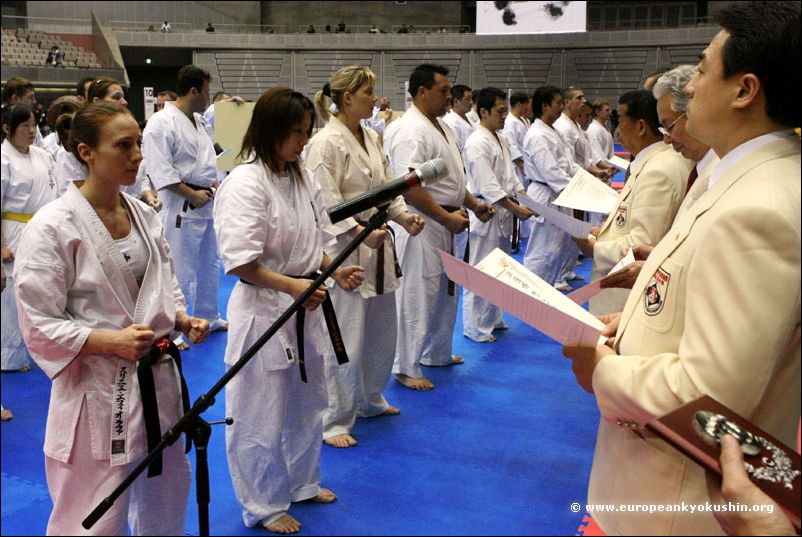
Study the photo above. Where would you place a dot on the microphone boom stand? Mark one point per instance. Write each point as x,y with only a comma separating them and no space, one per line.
195,426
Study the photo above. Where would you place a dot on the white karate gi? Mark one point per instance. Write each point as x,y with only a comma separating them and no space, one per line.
550,167
461,128
51,143
515,131
375,122
273,447
367,319
491,176
426,312
177,151
71,279
601,142
579,149
27,185
473,117
68,169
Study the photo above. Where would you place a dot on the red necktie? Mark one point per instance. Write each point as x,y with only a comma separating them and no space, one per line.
691,178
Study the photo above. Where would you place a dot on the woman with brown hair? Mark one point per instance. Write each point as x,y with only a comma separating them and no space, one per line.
270,221
97,299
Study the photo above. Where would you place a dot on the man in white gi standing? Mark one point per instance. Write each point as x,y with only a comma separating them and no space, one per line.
426,300
491,176
180,158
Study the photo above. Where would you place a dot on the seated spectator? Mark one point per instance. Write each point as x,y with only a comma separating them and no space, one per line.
54,57
341,27
166,28
209,27
311,29
374,29
403,29
328,28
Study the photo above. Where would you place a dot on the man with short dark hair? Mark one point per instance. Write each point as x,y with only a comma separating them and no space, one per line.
654,189
180,160
727,317
549,166
491,177
461,102
164,96
427,302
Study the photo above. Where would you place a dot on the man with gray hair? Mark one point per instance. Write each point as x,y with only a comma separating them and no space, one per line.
672,109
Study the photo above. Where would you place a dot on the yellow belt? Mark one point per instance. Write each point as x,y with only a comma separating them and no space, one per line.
18,217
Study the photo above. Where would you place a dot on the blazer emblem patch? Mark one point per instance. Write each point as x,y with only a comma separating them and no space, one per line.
656,292
621,217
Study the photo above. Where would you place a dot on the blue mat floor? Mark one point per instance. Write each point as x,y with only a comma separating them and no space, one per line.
502,446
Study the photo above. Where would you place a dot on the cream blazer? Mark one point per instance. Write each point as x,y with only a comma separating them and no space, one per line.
715,310
645,211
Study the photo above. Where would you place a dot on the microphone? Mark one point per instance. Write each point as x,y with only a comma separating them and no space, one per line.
429,172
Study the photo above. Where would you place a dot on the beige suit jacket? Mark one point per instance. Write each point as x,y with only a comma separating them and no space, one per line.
644,213
722,319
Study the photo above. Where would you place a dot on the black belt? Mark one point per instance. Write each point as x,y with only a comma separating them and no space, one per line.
380,260
187,204
515,243
451,285
331,323
150,405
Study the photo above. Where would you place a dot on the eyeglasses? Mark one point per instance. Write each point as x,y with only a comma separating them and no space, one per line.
666,131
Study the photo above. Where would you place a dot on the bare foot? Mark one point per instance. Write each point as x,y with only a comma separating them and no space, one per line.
6,414
324,496
23,369
284,524
415,383
183,346
344,440
391,411
456,360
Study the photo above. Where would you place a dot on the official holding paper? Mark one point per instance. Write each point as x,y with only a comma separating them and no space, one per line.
716,308
491,176
654,189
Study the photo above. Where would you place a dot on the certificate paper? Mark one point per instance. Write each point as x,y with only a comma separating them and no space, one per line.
618,162
587,193
583,294
505,283
569,224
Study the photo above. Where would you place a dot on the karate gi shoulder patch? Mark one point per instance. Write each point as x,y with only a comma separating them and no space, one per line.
656,292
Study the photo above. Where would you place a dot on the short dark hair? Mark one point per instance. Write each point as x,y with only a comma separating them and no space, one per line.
16,86
519,97
169,93
486,98
458,92
14,115
641,104
80,89
543,95
765,40
423,75
191,76
276,112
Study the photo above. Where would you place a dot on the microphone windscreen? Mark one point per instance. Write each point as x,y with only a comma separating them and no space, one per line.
432,170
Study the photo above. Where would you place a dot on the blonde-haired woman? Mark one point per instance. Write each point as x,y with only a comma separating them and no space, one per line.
347,159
